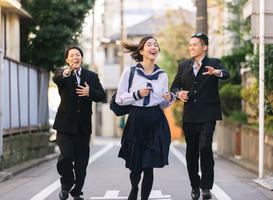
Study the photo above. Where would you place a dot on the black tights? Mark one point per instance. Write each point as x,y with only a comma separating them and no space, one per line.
146,185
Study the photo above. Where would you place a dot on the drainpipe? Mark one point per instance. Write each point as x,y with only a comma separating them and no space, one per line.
1,92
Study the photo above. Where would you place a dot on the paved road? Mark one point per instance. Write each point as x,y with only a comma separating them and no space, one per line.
108,179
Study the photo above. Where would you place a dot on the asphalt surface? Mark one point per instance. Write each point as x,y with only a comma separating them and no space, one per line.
108,179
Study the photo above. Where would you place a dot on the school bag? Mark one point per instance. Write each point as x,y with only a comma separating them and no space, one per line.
122,110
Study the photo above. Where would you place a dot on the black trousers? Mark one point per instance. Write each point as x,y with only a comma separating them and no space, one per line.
199,138
73,160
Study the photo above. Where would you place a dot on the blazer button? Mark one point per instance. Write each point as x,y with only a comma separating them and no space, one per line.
78,101
194,82
194,91
79,111
76,83
194,100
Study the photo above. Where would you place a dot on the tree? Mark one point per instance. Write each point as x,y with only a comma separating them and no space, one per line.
253,64
174,37
56,24
240,28
174,44
201,16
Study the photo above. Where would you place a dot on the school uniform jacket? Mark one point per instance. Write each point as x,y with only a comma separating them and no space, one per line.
204,102
74,109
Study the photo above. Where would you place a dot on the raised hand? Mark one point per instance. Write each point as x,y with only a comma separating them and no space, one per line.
83,91
212,71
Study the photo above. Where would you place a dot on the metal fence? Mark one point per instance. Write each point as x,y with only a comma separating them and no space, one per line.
24,97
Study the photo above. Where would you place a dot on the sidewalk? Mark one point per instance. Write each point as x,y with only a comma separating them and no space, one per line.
13,171
10,172
266,181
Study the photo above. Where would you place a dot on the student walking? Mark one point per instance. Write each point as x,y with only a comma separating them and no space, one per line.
196,84
146,137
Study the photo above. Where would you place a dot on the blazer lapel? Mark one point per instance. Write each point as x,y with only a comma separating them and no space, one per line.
190,70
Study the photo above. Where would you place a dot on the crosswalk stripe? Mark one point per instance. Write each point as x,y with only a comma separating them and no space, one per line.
54,186
216,190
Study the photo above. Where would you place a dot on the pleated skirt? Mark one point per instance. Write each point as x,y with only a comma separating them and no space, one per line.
146,139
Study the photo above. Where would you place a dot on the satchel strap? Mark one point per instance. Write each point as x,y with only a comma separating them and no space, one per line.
133,69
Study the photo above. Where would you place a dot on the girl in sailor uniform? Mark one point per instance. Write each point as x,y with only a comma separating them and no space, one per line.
146,137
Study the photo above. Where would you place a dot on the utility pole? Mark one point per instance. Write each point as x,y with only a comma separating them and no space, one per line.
201,16
123,35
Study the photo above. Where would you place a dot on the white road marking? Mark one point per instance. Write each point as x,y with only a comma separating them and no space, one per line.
54,186
219,193
110,194
178,155
158,194
216,190
113,194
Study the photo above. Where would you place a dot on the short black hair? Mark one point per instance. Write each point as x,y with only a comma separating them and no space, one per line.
202,36
72,47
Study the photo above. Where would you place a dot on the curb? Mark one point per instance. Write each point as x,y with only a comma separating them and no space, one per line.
10,172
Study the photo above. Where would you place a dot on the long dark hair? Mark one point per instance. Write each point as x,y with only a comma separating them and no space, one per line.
135,48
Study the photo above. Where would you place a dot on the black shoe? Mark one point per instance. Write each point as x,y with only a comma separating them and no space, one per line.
79,197
206,194
195,193
63,194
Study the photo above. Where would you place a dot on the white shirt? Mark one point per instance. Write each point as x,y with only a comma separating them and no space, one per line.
160,86
195,71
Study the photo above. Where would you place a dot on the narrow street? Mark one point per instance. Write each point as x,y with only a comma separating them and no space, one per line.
108,179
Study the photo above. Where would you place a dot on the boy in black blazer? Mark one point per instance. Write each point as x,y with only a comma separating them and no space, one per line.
78,88
196,83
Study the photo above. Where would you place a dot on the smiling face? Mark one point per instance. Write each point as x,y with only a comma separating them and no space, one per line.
74,56
196,49
150,49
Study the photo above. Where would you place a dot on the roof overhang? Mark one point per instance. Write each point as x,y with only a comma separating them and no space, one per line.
14,6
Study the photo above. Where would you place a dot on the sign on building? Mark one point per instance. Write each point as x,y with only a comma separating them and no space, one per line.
255,21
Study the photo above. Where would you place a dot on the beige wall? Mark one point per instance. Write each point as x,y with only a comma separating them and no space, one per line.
12,35
220,40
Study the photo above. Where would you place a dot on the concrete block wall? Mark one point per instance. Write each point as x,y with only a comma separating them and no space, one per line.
21,148
250,147
226,136
227,133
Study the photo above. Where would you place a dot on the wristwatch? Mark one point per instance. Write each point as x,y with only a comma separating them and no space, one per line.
177,94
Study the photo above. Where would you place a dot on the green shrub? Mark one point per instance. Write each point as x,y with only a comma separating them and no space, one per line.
178,112
238,116
230,98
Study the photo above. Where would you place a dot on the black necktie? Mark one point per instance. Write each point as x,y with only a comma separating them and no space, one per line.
78,77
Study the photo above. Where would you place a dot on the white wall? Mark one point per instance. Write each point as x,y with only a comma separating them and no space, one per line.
107,128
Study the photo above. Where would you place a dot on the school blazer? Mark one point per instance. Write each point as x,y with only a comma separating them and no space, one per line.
74,109
204,102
